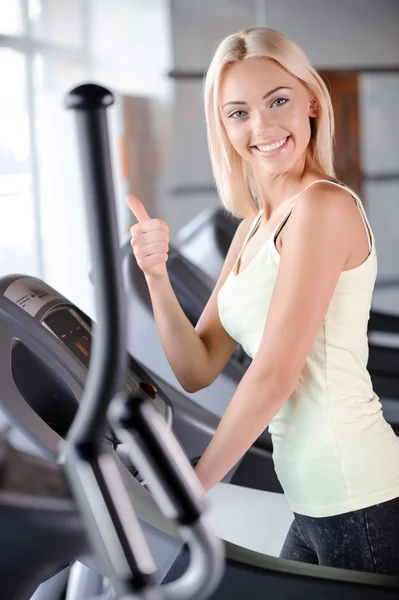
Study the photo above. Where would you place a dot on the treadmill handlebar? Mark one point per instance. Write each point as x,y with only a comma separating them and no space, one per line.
92,470
96,483
109,357
157,455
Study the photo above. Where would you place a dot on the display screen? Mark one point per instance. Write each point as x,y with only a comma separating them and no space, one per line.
70,328
74,331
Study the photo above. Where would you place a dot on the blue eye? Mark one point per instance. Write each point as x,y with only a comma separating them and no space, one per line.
281,101
237,114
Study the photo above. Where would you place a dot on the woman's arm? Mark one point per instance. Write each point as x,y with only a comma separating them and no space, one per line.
196,355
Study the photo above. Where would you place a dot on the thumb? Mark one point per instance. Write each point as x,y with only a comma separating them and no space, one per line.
137,208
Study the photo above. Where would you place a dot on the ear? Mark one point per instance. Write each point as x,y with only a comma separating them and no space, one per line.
314,107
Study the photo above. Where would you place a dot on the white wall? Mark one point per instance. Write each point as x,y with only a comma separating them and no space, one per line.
130,45
131,52
340,33
334,33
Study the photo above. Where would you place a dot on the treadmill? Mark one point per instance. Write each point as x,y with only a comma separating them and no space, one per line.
42,380
45,351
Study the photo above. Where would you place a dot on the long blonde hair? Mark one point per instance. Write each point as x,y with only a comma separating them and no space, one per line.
234,179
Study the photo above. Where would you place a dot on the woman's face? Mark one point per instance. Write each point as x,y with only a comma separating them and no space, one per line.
265,111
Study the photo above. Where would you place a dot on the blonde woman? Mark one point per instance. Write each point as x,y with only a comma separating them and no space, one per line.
295,292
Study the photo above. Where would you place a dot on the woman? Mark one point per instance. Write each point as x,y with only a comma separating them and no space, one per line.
295,291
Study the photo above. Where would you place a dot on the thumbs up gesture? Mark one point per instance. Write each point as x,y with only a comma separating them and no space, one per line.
150,240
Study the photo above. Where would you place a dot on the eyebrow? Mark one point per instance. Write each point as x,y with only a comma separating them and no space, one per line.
281,87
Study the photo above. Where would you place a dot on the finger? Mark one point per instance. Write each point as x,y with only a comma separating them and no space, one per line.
148,228
150,249
157,235
137,208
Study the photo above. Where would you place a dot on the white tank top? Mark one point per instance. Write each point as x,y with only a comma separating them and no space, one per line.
333,451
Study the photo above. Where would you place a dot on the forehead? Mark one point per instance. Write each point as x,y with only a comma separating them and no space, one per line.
254,77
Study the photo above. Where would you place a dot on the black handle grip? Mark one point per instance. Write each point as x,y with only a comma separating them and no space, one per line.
89,96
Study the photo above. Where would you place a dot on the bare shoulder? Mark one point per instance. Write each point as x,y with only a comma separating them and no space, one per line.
327,216
329,204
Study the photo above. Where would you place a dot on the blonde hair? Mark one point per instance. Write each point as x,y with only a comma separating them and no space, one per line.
234,179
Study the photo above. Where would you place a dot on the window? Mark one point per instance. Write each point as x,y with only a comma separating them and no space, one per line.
56,21
11,21
380,157
42,55
17,223
60,176
379,94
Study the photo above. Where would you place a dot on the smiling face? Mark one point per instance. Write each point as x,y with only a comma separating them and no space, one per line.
265,111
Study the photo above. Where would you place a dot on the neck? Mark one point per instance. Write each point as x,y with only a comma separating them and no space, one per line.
275,189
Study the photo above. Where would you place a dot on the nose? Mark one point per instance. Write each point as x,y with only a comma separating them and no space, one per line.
263,123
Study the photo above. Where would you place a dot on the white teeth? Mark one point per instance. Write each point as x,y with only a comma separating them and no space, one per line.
267,148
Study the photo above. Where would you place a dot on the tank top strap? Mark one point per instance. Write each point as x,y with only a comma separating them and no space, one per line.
361,208
252,230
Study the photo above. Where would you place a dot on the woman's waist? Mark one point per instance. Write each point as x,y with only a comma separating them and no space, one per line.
334,471
341,438
328,417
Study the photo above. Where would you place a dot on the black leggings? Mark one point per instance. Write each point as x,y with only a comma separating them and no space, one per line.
362,540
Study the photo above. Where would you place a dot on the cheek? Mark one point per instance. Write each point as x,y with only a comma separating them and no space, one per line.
299,120
238,136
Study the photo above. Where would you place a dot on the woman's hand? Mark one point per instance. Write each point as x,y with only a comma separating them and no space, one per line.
150,240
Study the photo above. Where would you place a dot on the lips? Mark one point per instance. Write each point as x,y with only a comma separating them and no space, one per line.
272,145
272,148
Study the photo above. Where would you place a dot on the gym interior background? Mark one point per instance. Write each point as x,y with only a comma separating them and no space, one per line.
152,54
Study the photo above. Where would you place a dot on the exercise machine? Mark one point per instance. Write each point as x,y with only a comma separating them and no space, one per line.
83,365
